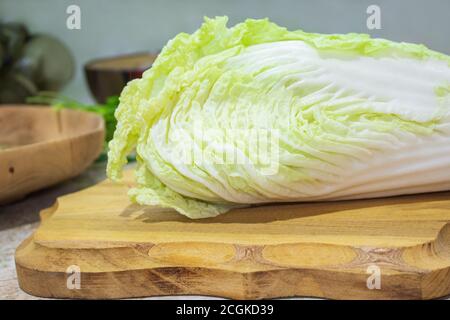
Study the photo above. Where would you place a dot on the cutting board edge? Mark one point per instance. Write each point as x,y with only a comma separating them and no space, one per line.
422,283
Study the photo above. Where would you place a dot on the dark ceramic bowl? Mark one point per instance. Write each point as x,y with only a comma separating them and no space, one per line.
107,77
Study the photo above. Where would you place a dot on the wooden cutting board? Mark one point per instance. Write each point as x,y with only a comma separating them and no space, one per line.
400,246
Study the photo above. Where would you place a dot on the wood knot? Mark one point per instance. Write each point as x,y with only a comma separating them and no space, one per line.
253,253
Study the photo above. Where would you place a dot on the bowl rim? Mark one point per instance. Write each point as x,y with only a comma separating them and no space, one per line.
99,128
88,66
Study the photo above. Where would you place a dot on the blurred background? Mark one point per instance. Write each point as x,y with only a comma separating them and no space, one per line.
114,27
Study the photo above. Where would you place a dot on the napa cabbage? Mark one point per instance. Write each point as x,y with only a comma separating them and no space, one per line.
230,117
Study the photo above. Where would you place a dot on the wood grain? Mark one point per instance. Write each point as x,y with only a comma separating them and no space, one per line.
44,147
311,249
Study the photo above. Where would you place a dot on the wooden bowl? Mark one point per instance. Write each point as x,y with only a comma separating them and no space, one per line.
40,147
107,77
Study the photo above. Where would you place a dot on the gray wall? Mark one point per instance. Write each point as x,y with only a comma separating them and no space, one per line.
112,27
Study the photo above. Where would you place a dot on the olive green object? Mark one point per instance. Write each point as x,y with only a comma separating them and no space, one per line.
15,88
47,62
2,55
12,37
